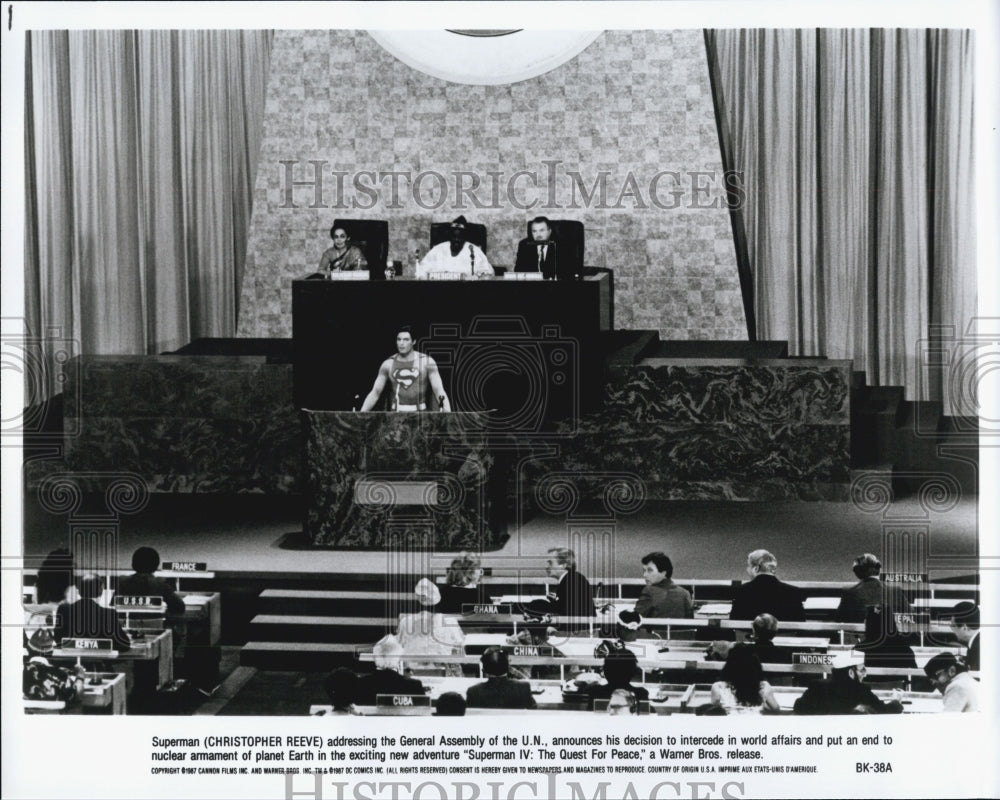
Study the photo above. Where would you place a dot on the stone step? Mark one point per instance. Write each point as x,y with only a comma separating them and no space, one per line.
369,603
319,628
306,656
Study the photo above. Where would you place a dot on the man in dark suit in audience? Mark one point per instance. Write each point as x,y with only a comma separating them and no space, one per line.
870,590
538,252
765,594
661,597
87,619
143,583
964,619
499,691
572,595
845,692
387,677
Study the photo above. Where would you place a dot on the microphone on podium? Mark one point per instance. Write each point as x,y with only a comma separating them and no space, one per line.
357,397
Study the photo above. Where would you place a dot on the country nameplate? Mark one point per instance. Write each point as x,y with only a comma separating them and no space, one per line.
126,602
90,645
185,566
904,577
402,700
487,609
820,659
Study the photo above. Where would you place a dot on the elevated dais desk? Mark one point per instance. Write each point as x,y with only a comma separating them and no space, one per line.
498,342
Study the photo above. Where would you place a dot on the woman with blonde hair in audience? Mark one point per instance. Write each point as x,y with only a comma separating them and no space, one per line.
462,584
743,689
429,633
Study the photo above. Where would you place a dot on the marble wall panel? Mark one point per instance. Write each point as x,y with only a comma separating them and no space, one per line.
720,429
215,424
736,430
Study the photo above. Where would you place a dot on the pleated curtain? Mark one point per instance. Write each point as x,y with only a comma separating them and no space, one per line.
141,153
857,153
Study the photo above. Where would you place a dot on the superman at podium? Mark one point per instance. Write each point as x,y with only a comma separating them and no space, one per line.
413,378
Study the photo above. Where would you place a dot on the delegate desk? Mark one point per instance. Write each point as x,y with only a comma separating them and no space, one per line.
688,661
101,692
534,333
157,651
476,643
913,702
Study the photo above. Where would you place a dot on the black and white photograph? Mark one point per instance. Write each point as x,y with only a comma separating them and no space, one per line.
526,364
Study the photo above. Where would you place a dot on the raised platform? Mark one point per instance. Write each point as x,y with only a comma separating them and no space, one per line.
689,420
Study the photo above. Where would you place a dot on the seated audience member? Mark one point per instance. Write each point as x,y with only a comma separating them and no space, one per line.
620,667
870,590
538,252
143,583
456,255
622,702
572,595
341,687
387,677
765,594
429,633
951,677
661,597
53,585
55,579
884,644
87,619
462,587
845,692
449,704
964,621
743,689
498,691
765,628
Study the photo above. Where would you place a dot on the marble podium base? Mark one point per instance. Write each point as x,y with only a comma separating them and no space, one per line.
719,429
400,481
